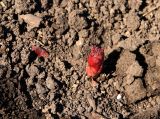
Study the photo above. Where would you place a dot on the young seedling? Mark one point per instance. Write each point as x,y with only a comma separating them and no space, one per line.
95,62
40,51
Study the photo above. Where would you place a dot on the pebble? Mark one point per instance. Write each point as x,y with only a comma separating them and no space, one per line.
50,83
31,20
119,97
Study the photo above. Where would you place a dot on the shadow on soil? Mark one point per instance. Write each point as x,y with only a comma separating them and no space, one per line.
111,61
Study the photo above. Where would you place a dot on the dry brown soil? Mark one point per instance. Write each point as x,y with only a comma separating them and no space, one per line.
57,87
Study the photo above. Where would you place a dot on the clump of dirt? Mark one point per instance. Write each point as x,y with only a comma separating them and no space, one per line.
57,86
130,80
151,54
14,103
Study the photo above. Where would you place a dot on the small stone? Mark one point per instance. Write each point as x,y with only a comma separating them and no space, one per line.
119,97
50,83
31,20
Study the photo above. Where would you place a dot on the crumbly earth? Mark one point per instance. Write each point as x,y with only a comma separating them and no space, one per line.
57,87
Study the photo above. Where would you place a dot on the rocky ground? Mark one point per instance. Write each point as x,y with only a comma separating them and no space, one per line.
57,87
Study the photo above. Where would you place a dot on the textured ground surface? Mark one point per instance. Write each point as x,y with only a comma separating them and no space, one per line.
57,87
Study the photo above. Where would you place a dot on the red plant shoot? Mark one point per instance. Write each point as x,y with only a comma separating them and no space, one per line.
95,61
40,51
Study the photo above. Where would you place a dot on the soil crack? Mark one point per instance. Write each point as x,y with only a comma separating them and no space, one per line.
142,62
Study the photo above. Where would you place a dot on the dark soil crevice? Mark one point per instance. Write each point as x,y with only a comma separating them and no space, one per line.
141,60
22,28
143,5
55,116
10,46
111,61
32,56
23,88
38,5
67,64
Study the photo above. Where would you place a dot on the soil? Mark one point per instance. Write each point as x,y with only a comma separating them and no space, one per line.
57,87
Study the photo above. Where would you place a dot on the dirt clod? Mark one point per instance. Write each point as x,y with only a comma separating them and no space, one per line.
31,20
77,21
135,91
